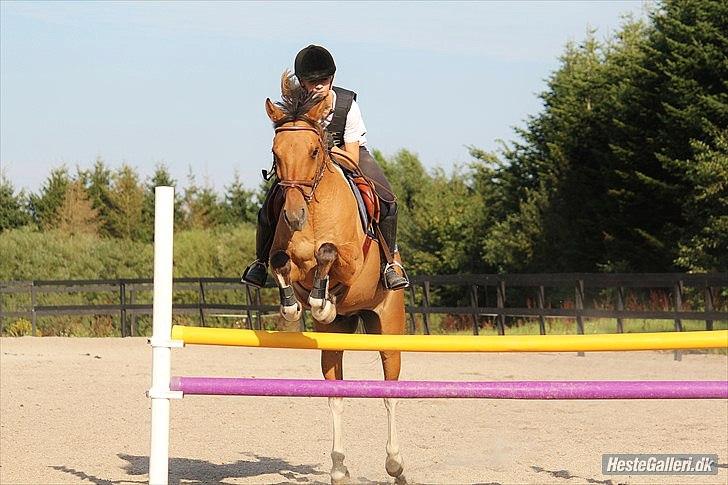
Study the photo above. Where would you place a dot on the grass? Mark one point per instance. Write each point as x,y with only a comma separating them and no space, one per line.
559,326
108,326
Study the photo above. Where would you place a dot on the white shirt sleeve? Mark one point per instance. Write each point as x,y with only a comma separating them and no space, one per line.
354,129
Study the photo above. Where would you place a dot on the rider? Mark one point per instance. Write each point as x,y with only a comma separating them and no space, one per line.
314,67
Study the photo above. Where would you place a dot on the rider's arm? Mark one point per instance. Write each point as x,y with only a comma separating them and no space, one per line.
348,157
354,132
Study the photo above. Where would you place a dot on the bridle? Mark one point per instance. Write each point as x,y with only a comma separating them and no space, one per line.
306,187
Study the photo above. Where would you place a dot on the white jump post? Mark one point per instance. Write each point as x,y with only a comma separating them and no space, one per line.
161,335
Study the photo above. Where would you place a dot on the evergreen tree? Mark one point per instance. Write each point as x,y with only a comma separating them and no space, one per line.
97,182
689,47
161,177
12,207
638,193
239,205
45,205
201,205
127,198
690,51
607,175
704,246
76,215
552,181
262,191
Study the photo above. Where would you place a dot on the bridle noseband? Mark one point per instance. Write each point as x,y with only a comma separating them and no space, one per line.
303,185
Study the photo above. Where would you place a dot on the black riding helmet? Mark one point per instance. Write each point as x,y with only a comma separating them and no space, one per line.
314,63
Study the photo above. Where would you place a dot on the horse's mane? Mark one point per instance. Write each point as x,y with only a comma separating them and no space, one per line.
295,102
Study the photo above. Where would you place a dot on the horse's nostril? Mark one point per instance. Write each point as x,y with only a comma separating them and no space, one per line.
295,223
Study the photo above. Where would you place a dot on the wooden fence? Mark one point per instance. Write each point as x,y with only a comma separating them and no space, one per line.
486,296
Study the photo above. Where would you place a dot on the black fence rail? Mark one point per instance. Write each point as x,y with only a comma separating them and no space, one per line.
496,298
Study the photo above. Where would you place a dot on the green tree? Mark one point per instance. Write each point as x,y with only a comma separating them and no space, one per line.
13,212
704,246
127,199
439,216
43,206
689,49
551,184
239,205
97,182
202,206
161,177
605,177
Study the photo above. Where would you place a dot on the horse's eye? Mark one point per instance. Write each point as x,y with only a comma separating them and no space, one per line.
314,152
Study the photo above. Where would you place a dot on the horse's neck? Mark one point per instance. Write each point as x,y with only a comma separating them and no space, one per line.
334,199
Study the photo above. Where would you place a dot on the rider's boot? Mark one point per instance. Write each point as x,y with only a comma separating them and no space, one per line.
256,273
391,276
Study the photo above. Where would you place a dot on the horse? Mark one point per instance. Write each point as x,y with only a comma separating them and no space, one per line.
319,254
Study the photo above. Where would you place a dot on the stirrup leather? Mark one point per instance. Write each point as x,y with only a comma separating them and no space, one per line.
391,266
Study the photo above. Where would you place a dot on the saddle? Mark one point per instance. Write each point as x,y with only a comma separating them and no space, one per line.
367,200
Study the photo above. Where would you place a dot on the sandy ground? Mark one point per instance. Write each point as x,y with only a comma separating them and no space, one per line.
73,410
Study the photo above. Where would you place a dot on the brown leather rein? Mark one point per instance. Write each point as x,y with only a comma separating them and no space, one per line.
306,187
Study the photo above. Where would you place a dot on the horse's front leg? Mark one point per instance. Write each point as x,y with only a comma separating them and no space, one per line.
290,307
323,308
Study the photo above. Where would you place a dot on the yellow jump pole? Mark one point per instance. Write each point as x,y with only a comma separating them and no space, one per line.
453,343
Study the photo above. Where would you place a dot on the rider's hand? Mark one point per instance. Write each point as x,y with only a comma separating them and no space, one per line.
344,159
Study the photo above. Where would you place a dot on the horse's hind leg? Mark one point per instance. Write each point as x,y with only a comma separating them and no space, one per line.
332,368
339,472
281,265
331,365
323,309
391,364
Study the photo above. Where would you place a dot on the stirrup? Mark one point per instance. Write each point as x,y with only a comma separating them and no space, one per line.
404,283
254,279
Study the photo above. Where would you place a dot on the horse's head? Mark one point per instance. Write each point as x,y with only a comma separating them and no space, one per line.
299,150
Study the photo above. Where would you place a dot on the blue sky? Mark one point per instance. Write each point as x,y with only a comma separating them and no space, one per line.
183,83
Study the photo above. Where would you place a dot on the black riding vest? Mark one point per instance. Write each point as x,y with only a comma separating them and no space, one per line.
344,97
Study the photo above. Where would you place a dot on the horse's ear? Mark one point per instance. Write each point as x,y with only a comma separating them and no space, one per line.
322,109
274,112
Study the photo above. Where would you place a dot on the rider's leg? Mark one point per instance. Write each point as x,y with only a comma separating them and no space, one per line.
256,273
393,280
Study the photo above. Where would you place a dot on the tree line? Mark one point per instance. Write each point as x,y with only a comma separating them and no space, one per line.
624,169
119,204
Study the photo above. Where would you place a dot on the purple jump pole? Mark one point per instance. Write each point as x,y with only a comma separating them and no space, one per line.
454,389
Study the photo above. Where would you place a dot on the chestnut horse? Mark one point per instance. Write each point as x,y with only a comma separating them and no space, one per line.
318,255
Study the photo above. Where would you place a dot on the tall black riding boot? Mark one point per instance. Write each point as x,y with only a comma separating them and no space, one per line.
256,273
393,280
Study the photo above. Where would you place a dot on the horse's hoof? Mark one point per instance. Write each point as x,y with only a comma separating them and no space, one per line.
340,478
323,311
394,468
291,313
400,480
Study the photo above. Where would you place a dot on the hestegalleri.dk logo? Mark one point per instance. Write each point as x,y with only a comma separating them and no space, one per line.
659,464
